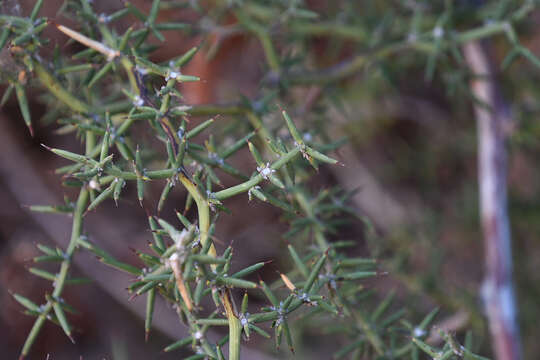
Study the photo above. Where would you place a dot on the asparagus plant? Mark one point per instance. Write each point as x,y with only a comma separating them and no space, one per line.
121,89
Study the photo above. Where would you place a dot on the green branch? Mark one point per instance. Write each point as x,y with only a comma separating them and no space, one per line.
58,90
247,185
62,276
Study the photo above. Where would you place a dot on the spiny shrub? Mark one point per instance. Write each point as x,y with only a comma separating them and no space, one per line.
110,93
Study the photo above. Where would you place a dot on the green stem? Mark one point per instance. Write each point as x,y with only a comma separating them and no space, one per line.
58,90
245,186
35,330
262,34
213,109
203,210
354,33
235,328
204,226
75,234
62,276
258,126
128,66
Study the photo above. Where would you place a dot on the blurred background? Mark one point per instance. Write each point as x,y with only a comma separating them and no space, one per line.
411,153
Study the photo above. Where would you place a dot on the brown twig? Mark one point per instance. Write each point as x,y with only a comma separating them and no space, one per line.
492,121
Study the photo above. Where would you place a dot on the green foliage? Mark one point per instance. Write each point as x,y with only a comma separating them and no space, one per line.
114,80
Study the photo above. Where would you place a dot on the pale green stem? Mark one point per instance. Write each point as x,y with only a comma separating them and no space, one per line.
58,90
247,185
204,226
203,210
235,328
128,66
62,276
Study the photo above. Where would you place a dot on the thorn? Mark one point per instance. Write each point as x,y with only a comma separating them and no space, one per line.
46,147
31,129
71,338
146,335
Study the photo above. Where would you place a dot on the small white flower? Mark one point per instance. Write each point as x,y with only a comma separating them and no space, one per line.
417,332
172,75
104,18
243,320
280,310
138,101
93,184
198,335
438,32
265,171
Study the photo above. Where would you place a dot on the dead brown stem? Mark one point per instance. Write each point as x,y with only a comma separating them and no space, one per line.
492,121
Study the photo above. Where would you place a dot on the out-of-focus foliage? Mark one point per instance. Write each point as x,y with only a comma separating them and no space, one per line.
127,107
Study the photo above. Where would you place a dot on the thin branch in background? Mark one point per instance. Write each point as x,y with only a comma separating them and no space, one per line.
492,122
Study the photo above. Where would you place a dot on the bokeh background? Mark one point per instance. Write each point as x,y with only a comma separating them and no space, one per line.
411,152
